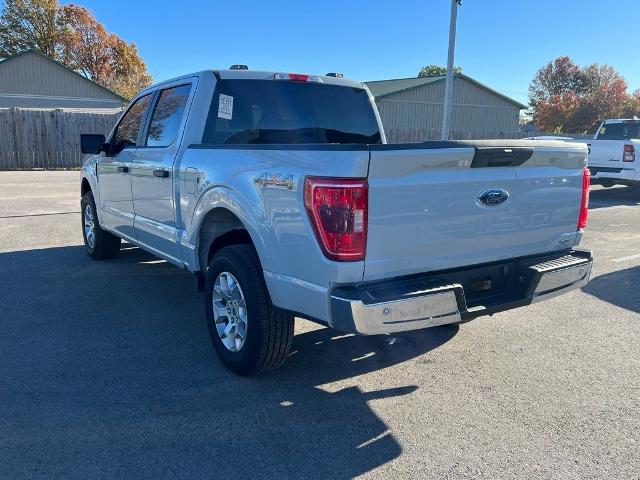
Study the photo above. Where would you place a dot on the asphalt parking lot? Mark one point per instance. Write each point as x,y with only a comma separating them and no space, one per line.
106,370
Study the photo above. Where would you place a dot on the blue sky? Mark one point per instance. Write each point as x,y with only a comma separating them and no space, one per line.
500,43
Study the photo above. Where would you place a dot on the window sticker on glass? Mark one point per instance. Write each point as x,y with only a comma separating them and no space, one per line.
225,106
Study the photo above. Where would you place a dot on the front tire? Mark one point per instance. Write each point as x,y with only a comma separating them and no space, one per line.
99,244
249,334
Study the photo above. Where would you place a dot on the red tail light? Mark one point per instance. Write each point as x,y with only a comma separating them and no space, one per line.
584,205
629,154
337,208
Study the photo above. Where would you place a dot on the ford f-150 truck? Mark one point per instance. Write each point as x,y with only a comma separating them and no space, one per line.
279,191
612,153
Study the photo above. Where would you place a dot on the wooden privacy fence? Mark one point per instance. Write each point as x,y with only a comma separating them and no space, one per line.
48,139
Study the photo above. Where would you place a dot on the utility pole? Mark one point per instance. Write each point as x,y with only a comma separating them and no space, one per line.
448,89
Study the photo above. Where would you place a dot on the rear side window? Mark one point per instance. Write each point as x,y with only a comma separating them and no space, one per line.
289,112
619,131
167,115
129,127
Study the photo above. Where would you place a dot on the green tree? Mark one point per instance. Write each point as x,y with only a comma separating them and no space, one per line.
31,24
436,70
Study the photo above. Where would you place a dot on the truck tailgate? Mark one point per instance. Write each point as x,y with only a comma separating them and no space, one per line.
606,154
442,205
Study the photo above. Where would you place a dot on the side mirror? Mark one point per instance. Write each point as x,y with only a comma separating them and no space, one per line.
90,143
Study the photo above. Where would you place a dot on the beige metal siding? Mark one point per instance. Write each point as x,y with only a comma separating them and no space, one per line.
32,81
415,115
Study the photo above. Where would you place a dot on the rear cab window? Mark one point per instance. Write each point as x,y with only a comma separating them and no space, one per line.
289,112
619,131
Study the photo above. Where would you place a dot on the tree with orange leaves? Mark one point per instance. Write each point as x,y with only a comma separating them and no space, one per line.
567,98
101,56
71,35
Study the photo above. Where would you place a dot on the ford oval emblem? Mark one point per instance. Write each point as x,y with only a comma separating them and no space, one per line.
493,197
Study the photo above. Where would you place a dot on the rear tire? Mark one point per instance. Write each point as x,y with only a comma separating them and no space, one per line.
100,244
250,335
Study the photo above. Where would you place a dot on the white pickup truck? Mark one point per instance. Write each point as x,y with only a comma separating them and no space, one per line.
279,192
612,153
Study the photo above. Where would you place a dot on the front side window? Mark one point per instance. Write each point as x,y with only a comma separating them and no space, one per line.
167,116
129,127
289,112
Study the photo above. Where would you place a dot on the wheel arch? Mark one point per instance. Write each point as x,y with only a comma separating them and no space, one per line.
85,187
88,184
221,227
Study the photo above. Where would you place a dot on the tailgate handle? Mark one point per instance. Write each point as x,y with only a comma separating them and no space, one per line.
501,156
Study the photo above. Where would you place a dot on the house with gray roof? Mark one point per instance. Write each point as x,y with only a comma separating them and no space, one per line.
31,80
411,109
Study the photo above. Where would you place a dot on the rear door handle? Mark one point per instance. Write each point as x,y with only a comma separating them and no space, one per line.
161,173
123,169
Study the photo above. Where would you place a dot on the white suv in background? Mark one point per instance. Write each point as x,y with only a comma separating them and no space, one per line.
613,153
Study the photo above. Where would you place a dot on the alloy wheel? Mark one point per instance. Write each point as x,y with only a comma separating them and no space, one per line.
229,311
89,226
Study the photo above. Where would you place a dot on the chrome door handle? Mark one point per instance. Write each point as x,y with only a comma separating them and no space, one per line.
161,173
123,169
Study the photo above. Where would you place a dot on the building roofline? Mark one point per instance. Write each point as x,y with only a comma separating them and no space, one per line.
440,78
427,80
401,78
495,92
31,50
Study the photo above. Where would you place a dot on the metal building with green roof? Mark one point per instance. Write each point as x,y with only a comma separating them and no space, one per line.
411,109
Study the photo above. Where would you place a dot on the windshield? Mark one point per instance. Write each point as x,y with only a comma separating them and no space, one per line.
290,112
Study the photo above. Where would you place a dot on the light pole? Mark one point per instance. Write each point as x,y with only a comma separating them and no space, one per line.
448,89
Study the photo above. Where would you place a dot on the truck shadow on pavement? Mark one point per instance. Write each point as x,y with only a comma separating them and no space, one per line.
107,371
609,197
618,288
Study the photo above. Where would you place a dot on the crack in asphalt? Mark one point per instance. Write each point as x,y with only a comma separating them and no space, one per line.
38,214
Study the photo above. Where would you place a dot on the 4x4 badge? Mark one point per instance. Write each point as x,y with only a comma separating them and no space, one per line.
275,180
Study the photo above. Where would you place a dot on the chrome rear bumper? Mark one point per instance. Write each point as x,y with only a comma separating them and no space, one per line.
439,298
